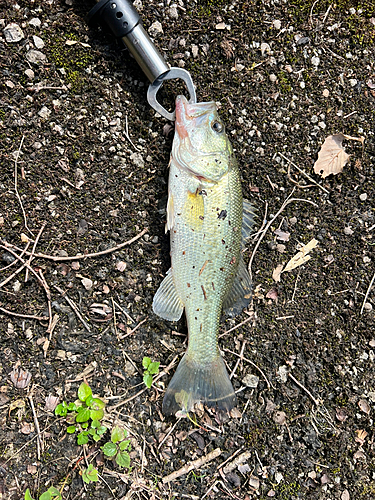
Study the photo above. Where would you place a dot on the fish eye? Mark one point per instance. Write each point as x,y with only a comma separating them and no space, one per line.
217,127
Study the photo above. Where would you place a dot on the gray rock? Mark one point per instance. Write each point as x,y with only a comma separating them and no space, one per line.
13,33
35,56
36,22
38,42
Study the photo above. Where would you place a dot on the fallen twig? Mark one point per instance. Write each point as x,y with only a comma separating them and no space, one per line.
255,366
16,187
73,306
37,428
195,464
286,202
240,358
161,374
317,402
85,256
33,250
367,293
27,316
134,329
304,173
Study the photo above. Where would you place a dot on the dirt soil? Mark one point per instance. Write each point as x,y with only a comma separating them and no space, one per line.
91,161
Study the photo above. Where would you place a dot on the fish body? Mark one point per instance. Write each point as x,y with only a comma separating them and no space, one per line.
205,220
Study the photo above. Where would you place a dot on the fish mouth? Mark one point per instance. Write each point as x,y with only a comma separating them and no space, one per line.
190,115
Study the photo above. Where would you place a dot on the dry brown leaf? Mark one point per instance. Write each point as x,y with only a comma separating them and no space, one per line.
331,157
364,406
87,283
51,402
302,256
361,436
20,378
277,272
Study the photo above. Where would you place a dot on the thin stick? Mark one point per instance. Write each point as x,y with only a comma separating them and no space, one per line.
48,294
169,433
240,358
37,428
16,188
161,374
126,133
33,250
195,464
12,263
237,326
25,264
367,293
73,306
85,256
286,202
27,316
134,329
124,312
254,365
304,388
304,173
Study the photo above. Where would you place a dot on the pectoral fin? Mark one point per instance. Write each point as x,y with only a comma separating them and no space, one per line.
167,303
239,295
247,221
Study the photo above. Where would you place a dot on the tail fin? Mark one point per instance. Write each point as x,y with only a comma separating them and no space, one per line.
195,382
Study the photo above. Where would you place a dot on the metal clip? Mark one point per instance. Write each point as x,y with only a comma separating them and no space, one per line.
170,75
123,20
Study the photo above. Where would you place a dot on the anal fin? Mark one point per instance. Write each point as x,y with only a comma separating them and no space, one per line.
167,303
239,295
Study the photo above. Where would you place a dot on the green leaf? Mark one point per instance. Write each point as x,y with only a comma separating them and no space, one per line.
145,362
72,407
97,404
85,425
83,416
123,459
101,430
82,438
96,414
71,429
153,368
84,391
109,449
54,492
95,424
124,444
89,400
61,409
117,434
96,437
45,496
147,379
90,474
28,495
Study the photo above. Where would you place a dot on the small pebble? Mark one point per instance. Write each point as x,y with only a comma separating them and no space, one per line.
276,24
363,196
368,307
155,29
36,22
302,85
251,380
35,56
315,61
29,73
273,78
348,231
13,33
44,112
38,42
353,82
173,12
325,92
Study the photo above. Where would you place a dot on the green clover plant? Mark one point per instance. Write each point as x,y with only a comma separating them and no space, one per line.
90,474
118,447
51,494
84,415
151,368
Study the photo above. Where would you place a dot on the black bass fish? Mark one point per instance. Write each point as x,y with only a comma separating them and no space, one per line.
208,222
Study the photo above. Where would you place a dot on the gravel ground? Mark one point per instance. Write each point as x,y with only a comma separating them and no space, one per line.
91,160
